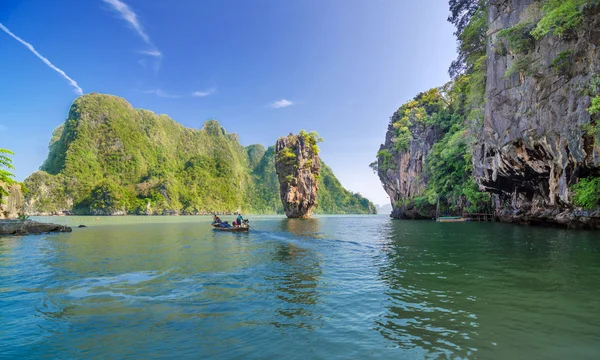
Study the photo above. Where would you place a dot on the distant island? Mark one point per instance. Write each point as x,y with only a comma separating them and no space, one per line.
111,159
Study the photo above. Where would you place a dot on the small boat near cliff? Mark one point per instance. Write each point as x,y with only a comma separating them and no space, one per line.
448,219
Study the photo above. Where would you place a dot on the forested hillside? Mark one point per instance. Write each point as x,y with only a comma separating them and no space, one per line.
109,158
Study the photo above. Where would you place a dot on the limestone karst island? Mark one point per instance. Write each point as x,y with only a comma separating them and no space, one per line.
300,179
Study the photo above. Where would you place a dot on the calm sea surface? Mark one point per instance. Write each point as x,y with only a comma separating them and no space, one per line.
332,287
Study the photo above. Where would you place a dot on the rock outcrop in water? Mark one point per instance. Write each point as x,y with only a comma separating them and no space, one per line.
402,171
12,205
28,227
534,145
298,168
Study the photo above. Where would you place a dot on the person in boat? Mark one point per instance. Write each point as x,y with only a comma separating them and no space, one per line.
224,225
240,220
216,219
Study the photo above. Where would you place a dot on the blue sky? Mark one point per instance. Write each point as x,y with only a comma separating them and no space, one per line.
262,68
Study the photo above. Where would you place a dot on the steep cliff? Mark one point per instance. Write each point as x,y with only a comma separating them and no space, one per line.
401,167
111,159
298,168
535,144
424,161
524,107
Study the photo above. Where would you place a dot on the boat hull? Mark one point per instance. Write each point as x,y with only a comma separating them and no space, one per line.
452,219
232,229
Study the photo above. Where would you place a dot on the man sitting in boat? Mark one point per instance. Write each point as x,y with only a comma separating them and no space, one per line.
216,219
224,224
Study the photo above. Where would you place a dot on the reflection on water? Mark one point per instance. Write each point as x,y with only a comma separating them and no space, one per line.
301,227
295,282
329,287
424,312
489,291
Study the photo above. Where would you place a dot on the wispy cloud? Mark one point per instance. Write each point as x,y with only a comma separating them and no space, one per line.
162,93
204,93
72,82
281,104
131,18
154,52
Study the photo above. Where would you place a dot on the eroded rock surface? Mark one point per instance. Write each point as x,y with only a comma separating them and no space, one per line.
533,145
298,166
28,227
406,179
12,205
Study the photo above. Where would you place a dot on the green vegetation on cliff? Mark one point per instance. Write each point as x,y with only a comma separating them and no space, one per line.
432,139
6,177
451,115
109,158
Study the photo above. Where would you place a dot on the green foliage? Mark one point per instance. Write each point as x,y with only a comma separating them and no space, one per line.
523,65
108,198
593,87
386,160
470,18
311,138
109,157
455,113
374,166
424,110
595,107
561,17
518,37
333,198
477,200
593,90
6,177
286,156
586,193
22,217
562,61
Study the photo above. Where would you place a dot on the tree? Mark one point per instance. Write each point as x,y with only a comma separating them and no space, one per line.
470,19
6,177
461,12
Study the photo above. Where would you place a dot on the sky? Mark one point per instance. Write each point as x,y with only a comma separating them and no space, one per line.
262,68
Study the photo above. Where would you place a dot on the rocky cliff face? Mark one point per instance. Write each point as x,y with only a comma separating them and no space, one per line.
402,173
533,145
297,165
12,205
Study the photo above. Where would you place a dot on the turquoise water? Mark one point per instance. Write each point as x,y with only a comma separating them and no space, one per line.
334,287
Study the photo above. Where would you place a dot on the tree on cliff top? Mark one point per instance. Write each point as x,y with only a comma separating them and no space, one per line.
6,177
470,19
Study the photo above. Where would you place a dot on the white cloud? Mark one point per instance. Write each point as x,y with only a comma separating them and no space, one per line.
154,52
161,93
132,19
204,93
281,104
72,82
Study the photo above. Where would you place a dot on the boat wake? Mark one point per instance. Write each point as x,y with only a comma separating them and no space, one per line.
139,286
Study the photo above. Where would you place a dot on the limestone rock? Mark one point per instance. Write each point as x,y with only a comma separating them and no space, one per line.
298,167
406,179
533,145
12,205
28,227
